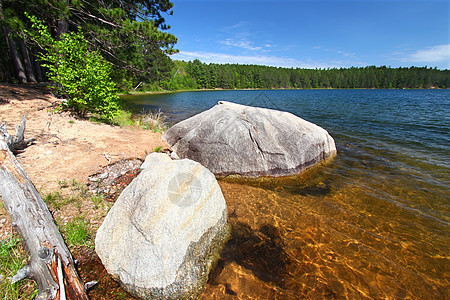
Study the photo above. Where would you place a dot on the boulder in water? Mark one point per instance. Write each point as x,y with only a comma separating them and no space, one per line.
234,139
165,230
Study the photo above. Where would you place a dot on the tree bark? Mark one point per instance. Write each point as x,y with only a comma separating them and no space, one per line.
37,66
4,59
63,27
15,57
26,61
50,263
6,73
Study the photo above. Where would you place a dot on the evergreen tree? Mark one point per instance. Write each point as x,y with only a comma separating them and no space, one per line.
231,76
129,34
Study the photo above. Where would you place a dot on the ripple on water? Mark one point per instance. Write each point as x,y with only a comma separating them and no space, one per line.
317,236
373,224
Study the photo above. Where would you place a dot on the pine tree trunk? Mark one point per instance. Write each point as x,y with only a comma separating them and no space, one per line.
63,27
37,65
5,66
50,263
20,73
26,61
6,75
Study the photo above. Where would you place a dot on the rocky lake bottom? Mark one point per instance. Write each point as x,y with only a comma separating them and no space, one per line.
370,224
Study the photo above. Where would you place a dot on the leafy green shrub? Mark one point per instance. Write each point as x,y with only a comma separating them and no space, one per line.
123,119
83,76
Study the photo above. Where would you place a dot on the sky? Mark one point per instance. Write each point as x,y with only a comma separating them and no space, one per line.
313,34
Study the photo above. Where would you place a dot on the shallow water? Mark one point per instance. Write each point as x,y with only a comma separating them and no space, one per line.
372,223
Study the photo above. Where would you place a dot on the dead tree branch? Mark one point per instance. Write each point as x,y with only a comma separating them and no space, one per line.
50,263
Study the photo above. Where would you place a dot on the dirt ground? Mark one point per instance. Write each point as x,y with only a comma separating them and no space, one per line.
67,151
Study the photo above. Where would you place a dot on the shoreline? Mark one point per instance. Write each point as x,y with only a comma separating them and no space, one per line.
291,230
138,93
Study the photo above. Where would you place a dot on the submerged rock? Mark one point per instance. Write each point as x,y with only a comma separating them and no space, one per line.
165,230
234,139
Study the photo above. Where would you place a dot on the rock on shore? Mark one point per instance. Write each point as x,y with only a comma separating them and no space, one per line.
164,232
234,139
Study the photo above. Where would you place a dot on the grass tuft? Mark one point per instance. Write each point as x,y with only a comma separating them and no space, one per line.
97,199
63,184
12,259
152,120
157,149
80,188
54,199
76,232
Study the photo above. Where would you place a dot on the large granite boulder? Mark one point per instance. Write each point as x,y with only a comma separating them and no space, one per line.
166,229
233,139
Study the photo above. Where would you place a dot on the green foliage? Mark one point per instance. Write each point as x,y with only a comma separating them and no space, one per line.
131,35
80,74
54,199
76,192
123,119
234,76
157,149
80,188
76,232
97,200
12,259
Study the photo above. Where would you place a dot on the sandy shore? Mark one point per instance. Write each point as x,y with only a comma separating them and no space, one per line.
66,148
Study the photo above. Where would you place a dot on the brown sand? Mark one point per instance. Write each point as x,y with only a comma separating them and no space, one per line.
68,149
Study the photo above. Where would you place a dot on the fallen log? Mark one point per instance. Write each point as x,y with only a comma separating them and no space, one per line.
50,263
17,142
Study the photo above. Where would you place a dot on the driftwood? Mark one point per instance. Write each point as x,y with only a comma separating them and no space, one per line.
17,142
50,263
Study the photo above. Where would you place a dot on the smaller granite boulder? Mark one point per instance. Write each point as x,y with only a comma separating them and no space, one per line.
234,139
165,230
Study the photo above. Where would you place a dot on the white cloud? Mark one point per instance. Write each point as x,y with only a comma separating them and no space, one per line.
266,60
238,26
434,54
242,43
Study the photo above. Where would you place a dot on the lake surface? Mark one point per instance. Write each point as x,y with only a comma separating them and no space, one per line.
371,224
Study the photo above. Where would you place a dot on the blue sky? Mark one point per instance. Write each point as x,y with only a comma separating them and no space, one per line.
313,34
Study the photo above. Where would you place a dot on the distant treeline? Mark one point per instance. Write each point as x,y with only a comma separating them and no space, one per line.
198,75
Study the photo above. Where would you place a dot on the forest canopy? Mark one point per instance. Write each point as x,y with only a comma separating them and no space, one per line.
130,35
234,76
